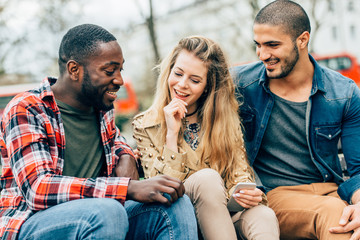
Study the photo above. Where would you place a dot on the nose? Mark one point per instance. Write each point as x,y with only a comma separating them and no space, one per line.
118,80
183,82
262,53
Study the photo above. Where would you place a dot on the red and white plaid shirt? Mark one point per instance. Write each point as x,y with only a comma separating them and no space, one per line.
32,148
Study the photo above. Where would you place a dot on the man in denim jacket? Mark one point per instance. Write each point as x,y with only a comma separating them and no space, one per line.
294,112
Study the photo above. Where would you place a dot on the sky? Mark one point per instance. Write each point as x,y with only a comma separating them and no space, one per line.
23,16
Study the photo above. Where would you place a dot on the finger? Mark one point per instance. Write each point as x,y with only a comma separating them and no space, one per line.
337,230
352,225
159,197
245,204
180,104
355,235
348,210
242,196
176,184
249,203
174,111
180,101
251,192
172,194
173,186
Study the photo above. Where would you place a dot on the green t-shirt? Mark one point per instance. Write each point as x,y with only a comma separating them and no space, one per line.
84,153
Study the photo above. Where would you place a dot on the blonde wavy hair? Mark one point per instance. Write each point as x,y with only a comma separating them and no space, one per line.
221,139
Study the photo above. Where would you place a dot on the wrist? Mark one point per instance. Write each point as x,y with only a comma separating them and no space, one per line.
355,199
171,143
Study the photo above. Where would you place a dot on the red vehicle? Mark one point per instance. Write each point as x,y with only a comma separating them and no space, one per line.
344,63
126,102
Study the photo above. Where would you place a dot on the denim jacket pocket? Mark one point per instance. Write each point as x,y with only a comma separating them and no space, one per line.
326,139
248,121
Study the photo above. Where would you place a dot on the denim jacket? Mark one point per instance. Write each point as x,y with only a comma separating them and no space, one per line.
333,113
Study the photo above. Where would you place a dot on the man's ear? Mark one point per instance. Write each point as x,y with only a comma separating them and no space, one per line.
303,40
73,69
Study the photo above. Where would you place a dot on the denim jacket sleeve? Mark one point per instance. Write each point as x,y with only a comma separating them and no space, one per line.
350,145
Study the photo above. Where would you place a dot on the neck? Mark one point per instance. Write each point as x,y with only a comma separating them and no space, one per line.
190,114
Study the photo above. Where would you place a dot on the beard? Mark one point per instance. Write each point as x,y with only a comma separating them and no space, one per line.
91,95
289,64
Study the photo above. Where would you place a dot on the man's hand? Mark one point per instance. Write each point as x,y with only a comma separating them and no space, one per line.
153,190
349,221
127,167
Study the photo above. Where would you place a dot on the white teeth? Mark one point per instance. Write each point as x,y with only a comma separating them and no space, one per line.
271,62
112,93
180,94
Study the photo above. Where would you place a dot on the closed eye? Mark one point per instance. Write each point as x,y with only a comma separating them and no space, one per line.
109,73
178,74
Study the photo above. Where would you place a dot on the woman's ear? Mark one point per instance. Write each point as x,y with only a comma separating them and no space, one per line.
73,69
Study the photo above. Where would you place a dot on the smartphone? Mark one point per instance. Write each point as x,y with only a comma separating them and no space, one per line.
233,205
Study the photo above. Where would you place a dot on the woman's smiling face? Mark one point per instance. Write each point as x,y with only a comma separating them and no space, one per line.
188,79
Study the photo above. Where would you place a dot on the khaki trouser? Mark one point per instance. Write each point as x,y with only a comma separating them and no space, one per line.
308,211
208,195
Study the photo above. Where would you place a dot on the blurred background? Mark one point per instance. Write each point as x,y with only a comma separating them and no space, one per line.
31,31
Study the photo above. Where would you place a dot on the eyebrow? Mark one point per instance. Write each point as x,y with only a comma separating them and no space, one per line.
114,63
268,42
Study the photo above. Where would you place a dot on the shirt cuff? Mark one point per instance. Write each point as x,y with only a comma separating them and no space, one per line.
347,188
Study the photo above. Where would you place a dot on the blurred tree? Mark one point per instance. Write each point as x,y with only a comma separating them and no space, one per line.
317,17
55,17
150,24
34,23
7,40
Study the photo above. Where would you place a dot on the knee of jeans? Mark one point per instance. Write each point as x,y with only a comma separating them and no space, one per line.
183,207
207,180
111,212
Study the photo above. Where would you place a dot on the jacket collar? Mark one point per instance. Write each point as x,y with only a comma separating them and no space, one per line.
150,119
318,78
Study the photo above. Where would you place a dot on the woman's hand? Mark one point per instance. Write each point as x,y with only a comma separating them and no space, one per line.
248,197
174,112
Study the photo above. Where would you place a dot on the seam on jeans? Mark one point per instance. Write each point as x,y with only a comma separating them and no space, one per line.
162,212
34,236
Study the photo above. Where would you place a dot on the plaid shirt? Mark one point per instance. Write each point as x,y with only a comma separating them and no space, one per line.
32,146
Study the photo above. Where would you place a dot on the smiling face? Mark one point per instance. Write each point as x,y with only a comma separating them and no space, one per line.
187,79
276,49
102,77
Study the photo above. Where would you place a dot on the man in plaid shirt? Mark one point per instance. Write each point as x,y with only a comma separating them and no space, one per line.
66,173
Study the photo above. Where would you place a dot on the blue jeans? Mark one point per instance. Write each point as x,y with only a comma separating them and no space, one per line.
101,218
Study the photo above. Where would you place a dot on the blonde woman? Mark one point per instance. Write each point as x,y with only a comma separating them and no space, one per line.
192,132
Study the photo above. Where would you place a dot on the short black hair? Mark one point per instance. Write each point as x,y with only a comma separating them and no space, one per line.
285,13
81,42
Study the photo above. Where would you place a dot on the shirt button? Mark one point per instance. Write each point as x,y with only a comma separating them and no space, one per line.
172,157
329,135
326,176
182,164
162,157
150,154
